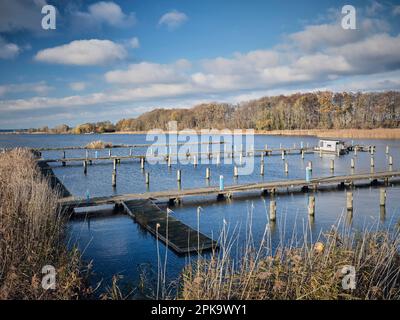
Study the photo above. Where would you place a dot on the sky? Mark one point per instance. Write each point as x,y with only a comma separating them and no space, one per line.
109,60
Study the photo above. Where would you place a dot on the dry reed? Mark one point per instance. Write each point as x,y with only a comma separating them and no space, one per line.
98,145
32,234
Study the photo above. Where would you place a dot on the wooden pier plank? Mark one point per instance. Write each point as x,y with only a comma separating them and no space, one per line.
174,233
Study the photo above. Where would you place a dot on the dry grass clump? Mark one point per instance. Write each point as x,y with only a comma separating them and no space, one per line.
32,234
98,145
311,271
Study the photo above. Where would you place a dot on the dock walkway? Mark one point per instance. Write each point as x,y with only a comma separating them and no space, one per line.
174,233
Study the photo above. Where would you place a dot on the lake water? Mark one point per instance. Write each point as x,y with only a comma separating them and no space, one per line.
117,245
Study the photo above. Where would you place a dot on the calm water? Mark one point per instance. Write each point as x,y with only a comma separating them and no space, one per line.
117,245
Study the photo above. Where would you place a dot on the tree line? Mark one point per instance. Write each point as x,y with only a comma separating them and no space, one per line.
316,110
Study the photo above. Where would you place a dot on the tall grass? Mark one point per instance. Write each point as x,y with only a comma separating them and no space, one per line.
32,234
298,268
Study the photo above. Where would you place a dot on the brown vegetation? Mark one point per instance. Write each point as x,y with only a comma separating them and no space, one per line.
32,234
98,145
305,272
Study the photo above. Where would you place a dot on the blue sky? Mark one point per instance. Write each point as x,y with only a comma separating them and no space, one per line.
109,60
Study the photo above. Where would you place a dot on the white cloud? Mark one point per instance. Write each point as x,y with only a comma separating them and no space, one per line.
83,53
108,13
40,88
8,50
134,43
145,72
77,86
173,19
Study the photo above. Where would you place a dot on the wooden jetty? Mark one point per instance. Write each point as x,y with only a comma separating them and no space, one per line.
257,153
55,183
174,233
229,191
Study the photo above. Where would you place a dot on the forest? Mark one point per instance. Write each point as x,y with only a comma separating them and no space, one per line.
316,110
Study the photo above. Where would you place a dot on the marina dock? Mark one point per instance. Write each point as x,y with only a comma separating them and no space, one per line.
174,233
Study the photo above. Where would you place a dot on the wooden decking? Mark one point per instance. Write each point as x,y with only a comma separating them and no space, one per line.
257,153
239,188
174,233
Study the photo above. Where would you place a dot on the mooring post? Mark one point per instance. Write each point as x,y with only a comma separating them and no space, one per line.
87,154
85,167
262,168
130,152
349,202
221,183
178,175
115,164
283,155
218,158
169,161
272,210
147,178
390,160
208,173
266,147
109,152
371,150
308,174
114,179
387,149
310,165
262,157
240,159
63,163
382,198
352,163
320,152
355,151
194,160
372,162
286,167
332,165
142,163
311,205
301,145
302,153
235,172
96,154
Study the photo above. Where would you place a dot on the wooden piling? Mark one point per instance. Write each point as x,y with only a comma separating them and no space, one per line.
349,202
115,164
382,197
262,169
109,152
272,210
235,172
178,175
286,167
194,160
114,179
85,167
310,165
169,161
208,173
332,165
283,155
390,160
352,163
372,162
147,178
311,205
302,154
387,149
142,163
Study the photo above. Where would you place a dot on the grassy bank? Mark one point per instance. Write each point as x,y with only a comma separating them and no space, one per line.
32,234
309,271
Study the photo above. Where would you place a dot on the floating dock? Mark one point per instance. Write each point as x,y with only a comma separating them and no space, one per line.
174,233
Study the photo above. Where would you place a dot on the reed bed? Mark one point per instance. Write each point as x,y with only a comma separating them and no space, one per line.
380,133
298,268
32,234
98,144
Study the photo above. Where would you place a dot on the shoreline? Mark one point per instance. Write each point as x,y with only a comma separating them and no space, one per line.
379,133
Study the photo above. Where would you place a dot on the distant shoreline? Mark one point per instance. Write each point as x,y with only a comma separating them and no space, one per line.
379,133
